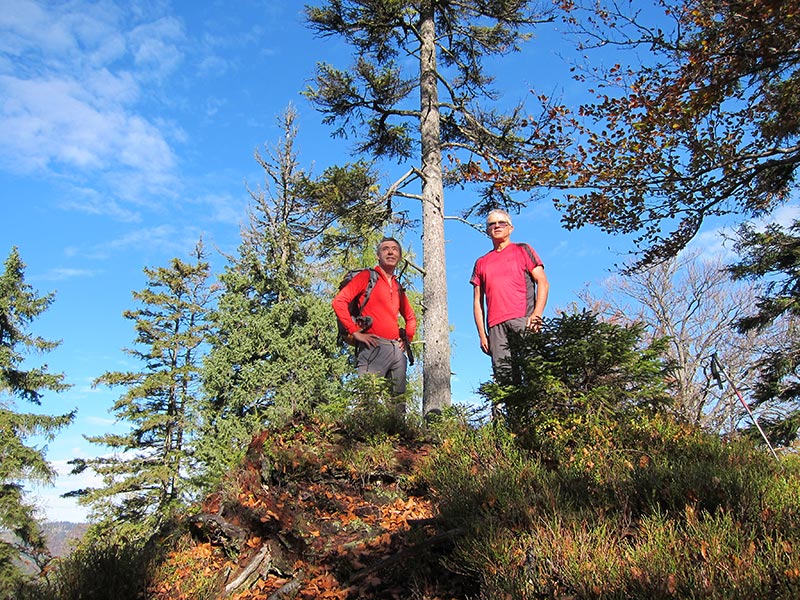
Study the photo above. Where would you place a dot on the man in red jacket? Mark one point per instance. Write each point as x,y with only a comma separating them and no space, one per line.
380,349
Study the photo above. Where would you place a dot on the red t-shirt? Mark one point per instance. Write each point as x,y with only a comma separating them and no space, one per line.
503,276
385,304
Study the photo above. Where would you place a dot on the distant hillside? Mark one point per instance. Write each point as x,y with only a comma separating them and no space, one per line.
60,535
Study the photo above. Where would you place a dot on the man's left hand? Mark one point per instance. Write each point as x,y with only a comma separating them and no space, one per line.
534,323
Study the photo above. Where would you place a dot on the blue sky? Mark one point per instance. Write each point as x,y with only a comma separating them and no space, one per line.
127,131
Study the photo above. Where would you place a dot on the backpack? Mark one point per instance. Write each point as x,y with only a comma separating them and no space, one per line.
530,284
357,305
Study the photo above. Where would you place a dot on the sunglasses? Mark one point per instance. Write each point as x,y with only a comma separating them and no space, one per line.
501,224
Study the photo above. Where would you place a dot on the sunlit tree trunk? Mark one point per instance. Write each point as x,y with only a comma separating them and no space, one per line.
436,378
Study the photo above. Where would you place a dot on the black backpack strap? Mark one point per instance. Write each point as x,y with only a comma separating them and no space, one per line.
373,279
530,253
530,282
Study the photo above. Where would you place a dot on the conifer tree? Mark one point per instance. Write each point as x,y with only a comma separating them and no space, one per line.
147,477
436,50
579,367
772,255
19,461
274,351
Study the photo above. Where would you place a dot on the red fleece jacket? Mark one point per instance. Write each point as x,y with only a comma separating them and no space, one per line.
384,305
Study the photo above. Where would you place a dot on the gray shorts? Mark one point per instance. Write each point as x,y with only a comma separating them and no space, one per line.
498,339
387,359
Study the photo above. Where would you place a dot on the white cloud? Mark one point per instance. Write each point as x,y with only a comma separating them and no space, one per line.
155,47
718,242
105,422
162,236
92,202
784,215
60,274
223,208
213,65
713,244
48,499
165,239
27,25
60,122
75,80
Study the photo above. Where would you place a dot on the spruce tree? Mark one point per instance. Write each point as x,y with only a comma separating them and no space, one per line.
146,479
274,352
20,461
579,367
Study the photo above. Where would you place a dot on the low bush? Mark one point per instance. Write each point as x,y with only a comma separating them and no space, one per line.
584,488
97,569
720,526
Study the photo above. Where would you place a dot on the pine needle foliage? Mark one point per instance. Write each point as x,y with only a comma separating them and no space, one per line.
772,256
578,368
274,352
145,478
20,459
419,88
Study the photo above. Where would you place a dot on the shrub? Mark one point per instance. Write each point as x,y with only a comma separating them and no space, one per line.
372,410
576,366
479,476
697,518
97,569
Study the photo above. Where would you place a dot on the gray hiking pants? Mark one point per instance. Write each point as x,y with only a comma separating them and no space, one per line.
387,359
498,339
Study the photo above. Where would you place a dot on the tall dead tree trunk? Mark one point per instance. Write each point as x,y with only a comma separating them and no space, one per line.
436,353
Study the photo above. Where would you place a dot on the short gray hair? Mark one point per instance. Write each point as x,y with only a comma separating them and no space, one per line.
499,211
389,239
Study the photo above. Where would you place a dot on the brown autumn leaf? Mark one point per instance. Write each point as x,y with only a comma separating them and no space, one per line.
671,583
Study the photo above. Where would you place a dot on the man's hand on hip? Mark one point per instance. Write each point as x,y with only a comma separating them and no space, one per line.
370,340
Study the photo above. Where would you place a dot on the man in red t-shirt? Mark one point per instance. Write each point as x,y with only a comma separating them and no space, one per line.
380,349
511,282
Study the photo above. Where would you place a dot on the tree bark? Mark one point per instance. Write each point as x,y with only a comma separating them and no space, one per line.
252,567
436,352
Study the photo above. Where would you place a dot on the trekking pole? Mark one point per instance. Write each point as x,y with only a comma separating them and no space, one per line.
716,370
